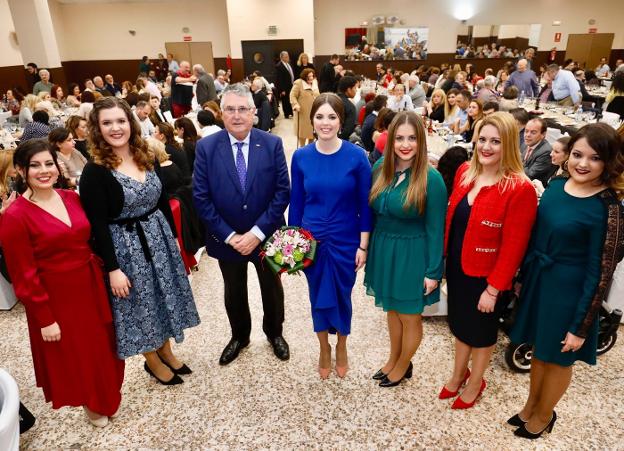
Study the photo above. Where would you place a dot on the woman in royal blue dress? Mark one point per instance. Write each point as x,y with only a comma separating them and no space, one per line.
331,179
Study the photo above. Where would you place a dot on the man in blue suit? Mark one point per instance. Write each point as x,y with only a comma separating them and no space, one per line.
241,190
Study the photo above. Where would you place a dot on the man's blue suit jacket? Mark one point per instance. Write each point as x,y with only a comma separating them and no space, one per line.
224,206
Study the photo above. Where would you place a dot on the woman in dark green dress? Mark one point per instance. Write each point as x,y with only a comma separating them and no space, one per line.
409,200
576,244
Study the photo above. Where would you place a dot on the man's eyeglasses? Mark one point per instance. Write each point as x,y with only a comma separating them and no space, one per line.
240,110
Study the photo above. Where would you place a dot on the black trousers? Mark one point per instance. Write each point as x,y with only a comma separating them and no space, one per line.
286,106
237,301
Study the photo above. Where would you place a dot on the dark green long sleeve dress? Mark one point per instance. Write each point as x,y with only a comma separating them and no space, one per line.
560,275
405,246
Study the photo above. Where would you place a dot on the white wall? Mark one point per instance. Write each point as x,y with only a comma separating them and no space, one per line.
514,31
250,19
10,54
99,31
333,16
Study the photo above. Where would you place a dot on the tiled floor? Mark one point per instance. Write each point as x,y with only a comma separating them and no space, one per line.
259,402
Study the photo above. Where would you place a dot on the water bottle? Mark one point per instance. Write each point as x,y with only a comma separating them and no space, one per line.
579,114
521,98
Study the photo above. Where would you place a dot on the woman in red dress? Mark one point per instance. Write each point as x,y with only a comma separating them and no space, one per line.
45,235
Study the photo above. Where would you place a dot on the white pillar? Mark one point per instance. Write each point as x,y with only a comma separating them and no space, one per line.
35,32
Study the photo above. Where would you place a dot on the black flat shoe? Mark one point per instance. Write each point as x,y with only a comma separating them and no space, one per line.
280,347
231,351
175,380
524,433
27,419
386,382
183,370
516,421
379,375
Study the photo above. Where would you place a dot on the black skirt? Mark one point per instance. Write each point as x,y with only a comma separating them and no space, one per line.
466,322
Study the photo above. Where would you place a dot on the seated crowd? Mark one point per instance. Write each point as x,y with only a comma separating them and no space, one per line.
135,151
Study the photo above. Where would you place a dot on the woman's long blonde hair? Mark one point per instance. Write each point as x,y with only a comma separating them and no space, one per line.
416,193
6,164
448,110
30,102
511,169
442,95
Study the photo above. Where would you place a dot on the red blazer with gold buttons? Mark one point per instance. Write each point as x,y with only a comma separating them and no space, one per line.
498,229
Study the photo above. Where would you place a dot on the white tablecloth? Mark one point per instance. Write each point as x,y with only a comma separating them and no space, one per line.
9,413
616,294
7,295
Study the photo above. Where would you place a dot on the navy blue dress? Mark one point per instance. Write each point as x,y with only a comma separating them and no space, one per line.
160,304
329,197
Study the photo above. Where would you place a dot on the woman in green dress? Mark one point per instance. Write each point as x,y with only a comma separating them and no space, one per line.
576,244
409,200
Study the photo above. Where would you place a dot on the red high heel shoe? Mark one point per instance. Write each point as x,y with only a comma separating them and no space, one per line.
445,393
461,404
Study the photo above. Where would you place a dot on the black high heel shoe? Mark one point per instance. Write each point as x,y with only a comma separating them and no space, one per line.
386,382
379,375
175,380
183,370
516,421
524,433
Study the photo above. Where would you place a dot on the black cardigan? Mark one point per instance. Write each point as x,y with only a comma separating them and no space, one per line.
103,199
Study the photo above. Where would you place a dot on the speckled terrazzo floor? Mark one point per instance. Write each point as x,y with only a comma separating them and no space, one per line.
259,402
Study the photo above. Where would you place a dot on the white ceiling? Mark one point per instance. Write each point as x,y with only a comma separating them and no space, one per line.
111,1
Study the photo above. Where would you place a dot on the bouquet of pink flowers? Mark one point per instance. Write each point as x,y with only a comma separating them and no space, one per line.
289,249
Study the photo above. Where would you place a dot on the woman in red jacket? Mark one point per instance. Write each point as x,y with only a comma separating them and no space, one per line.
488,224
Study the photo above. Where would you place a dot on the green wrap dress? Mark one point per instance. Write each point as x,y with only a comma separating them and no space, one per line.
560,275
405,246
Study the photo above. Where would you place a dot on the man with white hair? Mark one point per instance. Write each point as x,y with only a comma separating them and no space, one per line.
220,83
111,86
99,86
182,90
416,91
487,93
524,79
241,190
205,89
263,105
43,84
284,79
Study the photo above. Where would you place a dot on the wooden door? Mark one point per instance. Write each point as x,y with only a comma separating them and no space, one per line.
201,53
180,50
264,55
601,47
587,49
578,47
258,55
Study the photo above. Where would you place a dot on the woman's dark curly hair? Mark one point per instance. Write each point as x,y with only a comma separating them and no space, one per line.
606,142
618,82
167,130
21,160
448,164
190,132
102,152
